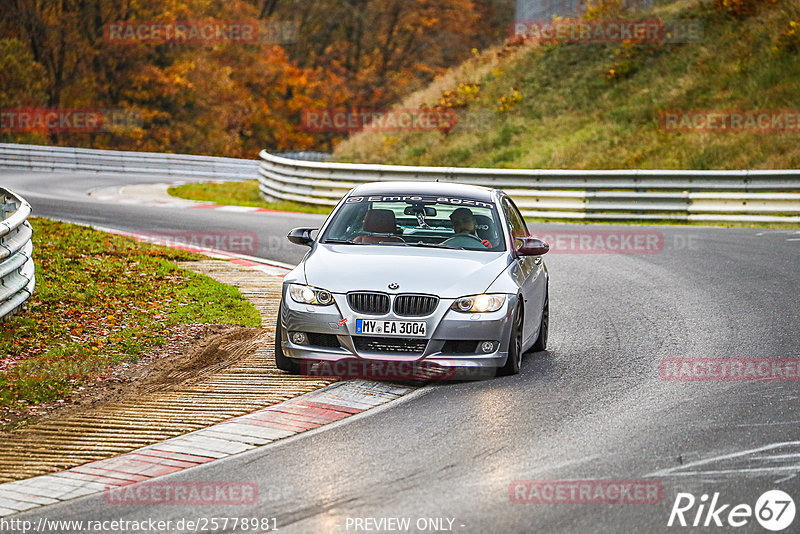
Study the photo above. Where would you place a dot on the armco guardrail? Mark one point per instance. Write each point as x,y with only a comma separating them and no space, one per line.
734,196
726,196
64,159
16,254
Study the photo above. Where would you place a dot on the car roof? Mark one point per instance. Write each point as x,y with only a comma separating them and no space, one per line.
425,188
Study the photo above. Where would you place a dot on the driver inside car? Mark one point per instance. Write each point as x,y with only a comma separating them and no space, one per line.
465,228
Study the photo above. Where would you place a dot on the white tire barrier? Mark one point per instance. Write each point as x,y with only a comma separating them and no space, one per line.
17,277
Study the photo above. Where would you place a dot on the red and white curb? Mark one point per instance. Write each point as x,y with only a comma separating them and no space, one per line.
231,437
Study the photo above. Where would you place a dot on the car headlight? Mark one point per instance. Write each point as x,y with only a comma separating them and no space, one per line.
479,303
310,295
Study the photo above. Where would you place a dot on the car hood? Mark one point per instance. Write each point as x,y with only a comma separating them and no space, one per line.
446,273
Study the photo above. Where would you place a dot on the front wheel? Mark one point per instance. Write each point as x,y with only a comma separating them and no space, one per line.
514,361
283,362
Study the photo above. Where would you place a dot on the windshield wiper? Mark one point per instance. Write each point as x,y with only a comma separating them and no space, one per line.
342,242
433,245
390,243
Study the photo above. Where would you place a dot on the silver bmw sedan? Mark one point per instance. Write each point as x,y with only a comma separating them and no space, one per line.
415,280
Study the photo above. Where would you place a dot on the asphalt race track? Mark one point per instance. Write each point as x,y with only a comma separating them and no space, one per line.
592,407
64,197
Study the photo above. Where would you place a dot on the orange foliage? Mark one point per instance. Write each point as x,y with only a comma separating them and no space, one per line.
229,98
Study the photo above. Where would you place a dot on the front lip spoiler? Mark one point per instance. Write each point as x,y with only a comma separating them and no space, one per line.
303,352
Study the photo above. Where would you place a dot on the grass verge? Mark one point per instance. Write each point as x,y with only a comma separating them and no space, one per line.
101,300
238,194
599,106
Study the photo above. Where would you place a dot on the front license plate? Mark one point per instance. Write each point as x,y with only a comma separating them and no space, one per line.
391,328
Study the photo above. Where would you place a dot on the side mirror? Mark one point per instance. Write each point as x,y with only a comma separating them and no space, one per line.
532,246
301,236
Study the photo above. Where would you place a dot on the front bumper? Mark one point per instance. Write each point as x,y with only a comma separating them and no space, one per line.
331,336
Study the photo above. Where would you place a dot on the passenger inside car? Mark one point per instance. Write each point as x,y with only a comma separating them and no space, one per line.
381,224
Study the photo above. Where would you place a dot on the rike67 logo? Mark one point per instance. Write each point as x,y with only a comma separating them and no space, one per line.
774,510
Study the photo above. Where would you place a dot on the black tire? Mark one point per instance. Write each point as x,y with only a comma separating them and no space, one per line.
544,326
283,362
514,362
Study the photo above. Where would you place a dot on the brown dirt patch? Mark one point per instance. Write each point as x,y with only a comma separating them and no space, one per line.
191,352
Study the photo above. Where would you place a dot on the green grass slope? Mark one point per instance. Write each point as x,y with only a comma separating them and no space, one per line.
598,106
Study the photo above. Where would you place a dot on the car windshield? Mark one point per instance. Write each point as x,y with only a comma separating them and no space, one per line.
459,223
